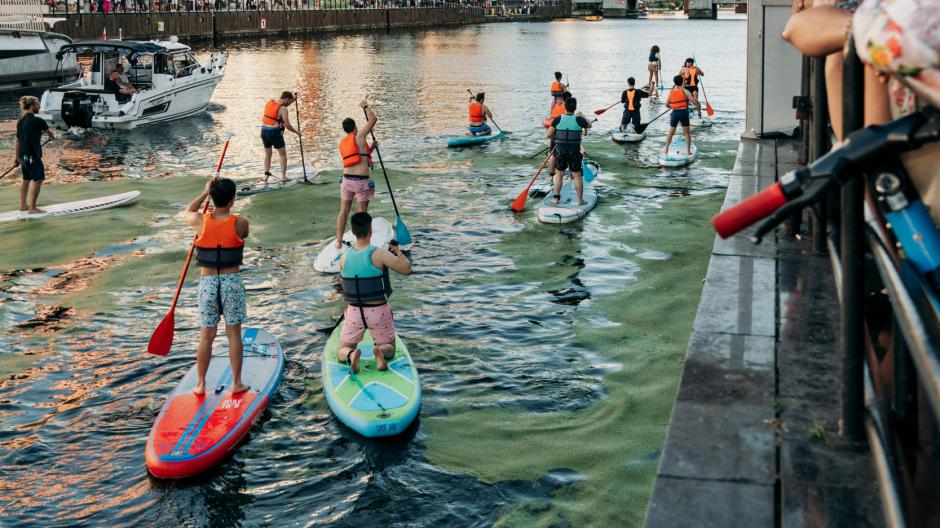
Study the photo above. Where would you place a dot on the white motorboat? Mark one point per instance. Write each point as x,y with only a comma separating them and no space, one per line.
27,50
170,84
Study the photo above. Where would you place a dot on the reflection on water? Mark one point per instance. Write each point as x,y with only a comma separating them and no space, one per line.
502,316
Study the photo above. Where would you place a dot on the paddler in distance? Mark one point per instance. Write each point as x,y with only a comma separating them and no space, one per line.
558,89
678,100
631,105
357,163
478,113
366,287
273,122
690,79
566,131
220,242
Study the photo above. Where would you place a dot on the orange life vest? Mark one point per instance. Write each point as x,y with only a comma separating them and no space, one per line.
349,150
272,114
557,110
557,89
630,95
218,244
677,99
476,113
691,76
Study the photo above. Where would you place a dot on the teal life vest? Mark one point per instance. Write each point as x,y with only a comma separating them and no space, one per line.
362,281
568,131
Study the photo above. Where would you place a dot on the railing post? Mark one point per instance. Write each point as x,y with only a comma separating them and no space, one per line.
819,145
851,324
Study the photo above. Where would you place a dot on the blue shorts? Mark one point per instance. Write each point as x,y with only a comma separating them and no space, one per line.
482,129
679,116
272,137
222,295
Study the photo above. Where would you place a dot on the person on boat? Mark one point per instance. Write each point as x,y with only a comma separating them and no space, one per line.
273,122
478,114
679,99
566,132
655,65
690,78
220,242
631,105
558,89
366,287
356,182
118,84
27,152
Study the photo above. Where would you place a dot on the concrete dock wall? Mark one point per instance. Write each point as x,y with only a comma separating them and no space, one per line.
222,24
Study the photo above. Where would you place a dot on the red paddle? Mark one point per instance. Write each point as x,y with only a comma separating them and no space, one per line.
519,203
602,110
708,107
162,338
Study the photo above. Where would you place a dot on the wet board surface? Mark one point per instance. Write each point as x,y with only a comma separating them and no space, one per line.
677,156
327,260
372,403
626,137
80,206
703,122
295,175
466,141
567,209
194,433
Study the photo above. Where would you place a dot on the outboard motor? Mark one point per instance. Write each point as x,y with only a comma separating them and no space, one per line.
76,109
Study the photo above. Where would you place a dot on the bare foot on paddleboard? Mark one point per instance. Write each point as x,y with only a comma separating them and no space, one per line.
380,362
240,387
353,359
583,202
36,210
338,244
200,389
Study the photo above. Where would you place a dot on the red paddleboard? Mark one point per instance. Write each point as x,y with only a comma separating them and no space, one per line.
194,433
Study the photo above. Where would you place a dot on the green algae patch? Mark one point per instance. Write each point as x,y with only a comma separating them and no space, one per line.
614,443
45,242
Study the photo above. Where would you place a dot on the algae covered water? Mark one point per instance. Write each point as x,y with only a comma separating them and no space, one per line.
549,354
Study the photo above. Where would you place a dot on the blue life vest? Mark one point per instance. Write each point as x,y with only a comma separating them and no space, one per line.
568,131
362,281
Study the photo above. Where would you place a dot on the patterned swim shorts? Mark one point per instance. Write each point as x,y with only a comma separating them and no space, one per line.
222,295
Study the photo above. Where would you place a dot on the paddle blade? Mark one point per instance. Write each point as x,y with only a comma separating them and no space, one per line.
600,111
708,109
401,232
590,172
162,338
518,205
641,128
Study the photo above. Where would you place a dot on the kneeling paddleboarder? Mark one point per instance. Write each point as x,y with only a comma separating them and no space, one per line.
366,287
478,112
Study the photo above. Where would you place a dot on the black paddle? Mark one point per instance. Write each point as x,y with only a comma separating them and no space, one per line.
401,230
303,161
642,126
44,143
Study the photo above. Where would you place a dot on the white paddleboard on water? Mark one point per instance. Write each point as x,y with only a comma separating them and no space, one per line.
703,122
567,209
80,206
328,259
677,155
627,137
295,175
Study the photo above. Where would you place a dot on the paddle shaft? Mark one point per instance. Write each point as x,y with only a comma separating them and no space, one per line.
644,125
192,246
381,164
521,199
8,171
303,161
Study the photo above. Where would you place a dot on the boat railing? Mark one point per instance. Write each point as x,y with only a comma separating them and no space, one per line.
889,349
147,6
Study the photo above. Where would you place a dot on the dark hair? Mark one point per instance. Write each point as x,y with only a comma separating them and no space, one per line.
677,80
690,59
565,96
222,192
571,104
287,96
631,81
480,97
558,76
654,49
349,124
361,223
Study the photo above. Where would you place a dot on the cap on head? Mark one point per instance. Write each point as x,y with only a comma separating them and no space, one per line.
349,125
361,224
222,192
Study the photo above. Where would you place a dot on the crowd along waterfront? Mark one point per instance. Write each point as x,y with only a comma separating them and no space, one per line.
549,355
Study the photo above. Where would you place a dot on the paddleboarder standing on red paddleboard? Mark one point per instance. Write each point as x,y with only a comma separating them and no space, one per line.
220,242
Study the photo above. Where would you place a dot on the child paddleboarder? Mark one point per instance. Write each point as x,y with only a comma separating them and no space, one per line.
220,242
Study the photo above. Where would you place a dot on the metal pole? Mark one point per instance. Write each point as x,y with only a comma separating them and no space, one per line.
819,145
852,250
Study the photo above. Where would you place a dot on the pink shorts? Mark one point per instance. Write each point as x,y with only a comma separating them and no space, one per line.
361,190
379,318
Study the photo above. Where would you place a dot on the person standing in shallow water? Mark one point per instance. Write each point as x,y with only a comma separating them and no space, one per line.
366,287
356,182
220,242
28,152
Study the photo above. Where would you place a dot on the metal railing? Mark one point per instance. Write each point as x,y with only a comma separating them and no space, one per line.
106,7
880,398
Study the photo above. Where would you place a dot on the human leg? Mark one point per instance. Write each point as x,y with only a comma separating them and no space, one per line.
234,333
687,132
578,186
203,355
350,337
24,189
34,188
672,131
267,164
234,309
282,155
382,327
344,207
